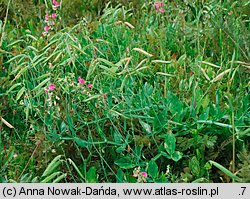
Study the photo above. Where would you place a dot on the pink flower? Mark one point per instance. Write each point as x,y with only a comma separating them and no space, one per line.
90,86
158,5
57,4
104,95
53,15
46,90
144,174
162,10
52,87
46,28
46,17
52,23
81,81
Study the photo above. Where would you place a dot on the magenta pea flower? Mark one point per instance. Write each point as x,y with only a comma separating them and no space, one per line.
46,17
162,10
144,174
104,95
158,5
46,28
53,15
52,87
81,81
90,86
56,4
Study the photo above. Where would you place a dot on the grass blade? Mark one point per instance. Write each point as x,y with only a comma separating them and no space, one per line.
224,170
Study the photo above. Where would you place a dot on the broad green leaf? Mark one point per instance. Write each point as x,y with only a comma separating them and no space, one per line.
169,144
130,179
175,106
152,169
91,175
148,89
118,137
194,166
146,127
176,156
159,122
205,102
119,176
125,163
138,152
63,127
204,114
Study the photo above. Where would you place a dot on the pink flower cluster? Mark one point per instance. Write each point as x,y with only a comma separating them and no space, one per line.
144,174
50,88
49,19
141,176
56,4
82,82
159,7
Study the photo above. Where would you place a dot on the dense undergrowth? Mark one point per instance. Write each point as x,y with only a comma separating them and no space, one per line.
121,90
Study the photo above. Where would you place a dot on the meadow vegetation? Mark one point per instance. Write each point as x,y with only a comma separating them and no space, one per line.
124,91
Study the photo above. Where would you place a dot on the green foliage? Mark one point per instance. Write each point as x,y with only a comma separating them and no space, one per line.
152,169
169,94
91,175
